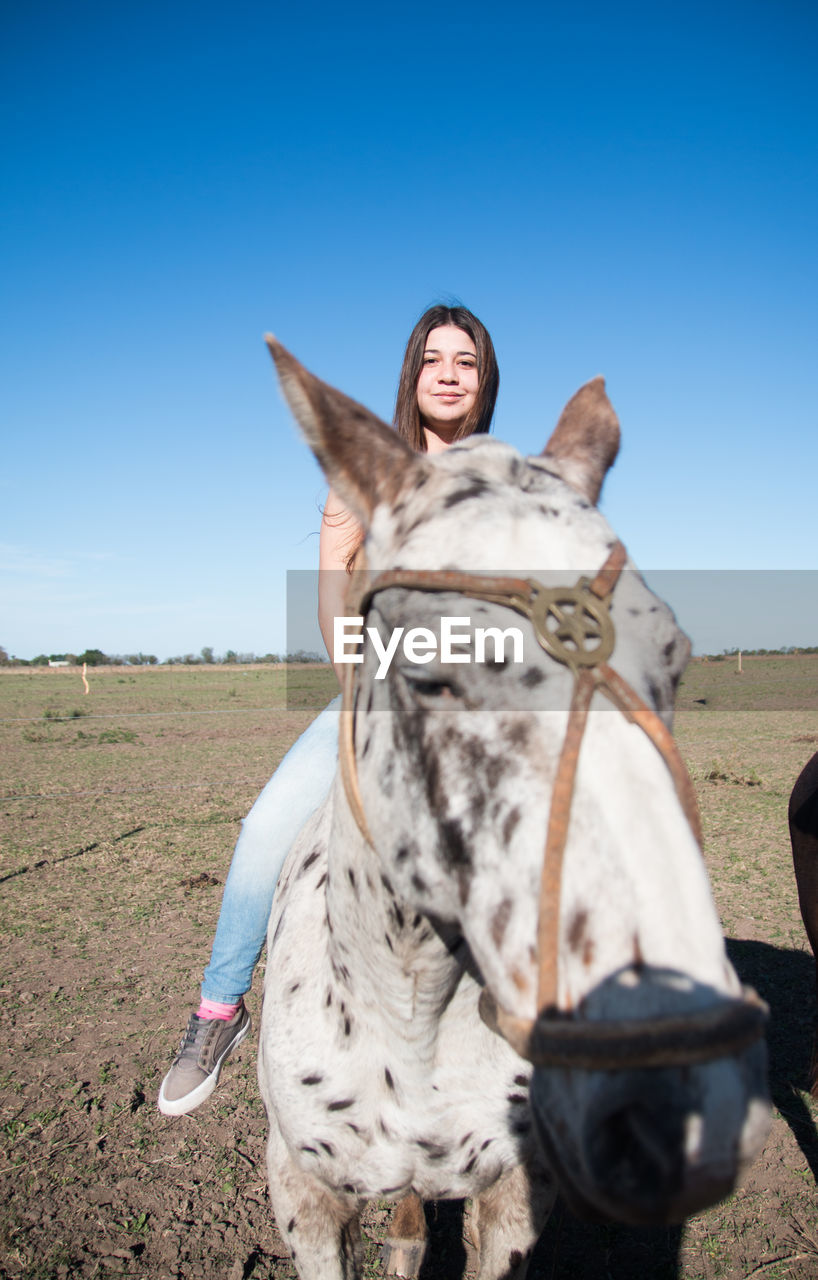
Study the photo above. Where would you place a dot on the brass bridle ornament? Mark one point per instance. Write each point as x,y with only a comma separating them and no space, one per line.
573,625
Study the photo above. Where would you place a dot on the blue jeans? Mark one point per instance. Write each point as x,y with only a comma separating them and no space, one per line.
296,789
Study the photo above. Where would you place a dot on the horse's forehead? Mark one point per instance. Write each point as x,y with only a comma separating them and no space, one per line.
483,507
442,509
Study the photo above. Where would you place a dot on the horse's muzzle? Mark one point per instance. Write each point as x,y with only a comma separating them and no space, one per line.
651,1147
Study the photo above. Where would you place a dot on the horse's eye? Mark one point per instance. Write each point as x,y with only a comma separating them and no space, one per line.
430,686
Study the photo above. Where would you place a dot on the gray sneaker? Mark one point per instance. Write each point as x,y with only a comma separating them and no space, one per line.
195,1071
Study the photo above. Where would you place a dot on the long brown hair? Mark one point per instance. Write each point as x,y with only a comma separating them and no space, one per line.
407,421
407,415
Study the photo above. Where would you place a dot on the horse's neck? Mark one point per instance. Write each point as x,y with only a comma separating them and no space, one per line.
388,959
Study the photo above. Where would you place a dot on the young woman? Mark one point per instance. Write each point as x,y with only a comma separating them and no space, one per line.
447,391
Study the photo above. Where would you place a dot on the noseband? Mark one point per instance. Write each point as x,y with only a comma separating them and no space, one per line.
573,625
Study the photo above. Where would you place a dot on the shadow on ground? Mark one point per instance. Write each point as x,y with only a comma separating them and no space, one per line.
786,981
574,1250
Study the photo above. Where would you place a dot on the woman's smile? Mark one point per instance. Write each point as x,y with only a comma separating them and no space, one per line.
448,381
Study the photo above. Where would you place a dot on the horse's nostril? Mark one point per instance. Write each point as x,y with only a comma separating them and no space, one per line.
637,1153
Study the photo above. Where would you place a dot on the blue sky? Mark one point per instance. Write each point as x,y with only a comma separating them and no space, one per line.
628,190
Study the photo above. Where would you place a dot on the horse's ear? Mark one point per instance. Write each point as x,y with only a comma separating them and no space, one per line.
363,459
585,440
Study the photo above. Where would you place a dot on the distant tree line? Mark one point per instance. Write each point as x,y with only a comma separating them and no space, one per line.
761,653
206,656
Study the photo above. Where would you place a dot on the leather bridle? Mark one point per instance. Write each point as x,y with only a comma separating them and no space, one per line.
573,625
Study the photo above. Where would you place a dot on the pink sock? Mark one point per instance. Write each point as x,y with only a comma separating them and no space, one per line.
212,1009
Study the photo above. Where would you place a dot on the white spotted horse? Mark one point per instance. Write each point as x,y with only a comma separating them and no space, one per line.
495,966
803,818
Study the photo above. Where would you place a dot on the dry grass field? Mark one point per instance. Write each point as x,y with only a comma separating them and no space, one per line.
119,814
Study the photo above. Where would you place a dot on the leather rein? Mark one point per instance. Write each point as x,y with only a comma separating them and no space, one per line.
573,625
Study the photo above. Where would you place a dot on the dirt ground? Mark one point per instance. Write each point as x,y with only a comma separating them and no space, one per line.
119,813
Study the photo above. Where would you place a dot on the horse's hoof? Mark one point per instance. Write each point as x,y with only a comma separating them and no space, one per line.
403,1257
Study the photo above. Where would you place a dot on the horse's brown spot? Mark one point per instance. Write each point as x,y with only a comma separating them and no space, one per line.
495,770
477,806
510,824
475,489
519,979
495,668
340,1106
316,1079
499,922
307,863
577,930
433,1150
277,930
474,751
456,850
531,678
518,734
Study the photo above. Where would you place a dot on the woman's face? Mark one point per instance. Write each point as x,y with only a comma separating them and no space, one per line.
447,386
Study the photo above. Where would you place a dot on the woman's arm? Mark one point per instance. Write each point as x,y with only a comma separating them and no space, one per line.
340,534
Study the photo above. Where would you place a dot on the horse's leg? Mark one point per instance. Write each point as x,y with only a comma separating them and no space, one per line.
322,1233
508,1219
405,1246
803,816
